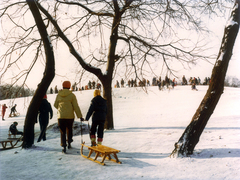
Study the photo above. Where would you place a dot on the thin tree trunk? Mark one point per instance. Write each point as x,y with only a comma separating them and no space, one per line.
192,133
49,73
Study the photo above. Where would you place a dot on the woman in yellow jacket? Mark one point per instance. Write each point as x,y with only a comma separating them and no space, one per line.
66,104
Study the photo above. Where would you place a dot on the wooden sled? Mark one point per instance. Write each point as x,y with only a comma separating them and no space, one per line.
102,151
14,114
13,136
9,144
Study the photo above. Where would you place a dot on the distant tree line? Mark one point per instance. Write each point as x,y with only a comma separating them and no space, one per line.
7,91
231,82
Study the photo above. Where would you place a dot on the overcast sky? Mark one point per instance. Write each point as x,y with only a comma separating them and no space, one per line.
66,64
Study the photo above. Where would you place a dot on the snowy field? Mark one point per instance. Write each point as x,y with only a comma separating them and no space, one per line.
146,128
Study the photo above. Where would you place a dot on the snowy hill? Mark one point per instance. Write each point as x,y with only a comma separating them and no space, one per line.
146,127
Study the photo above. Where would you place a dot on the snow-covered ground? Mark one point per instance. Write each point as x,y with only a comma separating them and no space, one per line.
146,128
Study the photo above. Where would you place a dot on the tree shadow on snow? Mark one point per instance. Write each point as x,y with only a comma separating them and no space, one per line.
53,130
72,151
136,129
137,159
216,153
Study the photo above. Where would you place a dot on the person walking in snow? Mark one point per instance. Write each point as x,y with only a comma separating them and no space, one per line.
13,110
194,87
4,107
98,109
66,104
184,80
44,110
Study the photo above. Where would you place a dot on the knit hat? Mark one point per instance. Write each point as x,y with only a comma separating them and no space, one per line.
66,84
16,123
45,96
96,93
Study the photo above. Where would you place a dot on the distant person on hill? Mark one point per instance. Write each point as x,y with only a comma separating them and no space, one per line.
4,107
13,129
184,80
194,87
13,111
66,104
44,110
98,109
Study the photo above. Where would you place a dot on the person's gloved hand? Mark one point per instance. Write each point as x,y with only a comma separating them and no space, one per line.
81,119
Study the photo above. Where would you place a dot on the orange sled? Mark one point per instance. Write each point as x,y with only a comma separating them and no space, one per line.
101,151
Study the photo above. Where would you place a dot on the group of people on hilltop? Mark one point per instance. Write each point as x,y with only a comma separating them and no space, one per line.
66,104
145,82
196,81
166,82
90,85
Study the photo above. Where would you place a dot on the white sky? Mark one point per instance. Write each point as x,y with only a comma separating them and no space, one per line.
202,69
66,63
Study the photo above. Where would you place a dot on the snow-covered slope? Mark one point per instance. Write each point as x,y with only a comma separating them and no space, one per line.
146,127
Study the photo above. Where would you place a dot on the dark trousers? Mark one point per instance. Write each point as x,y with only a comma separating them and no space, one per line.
99,127
43,126
17,132
65,126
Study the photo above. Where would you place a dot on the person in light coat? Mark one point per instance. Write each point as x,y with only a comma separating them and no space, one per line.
66,104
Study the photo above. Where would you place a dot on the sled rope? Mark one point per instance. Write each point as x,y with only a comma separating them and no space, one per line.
82,131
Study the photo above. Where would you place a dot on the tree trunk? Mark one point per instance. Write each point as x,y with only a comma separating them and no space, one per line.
192,133
107,94
49,73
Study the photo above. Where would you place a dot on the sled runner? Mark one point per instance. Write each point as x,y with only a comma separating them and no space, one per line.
102,151
11,143
14,115
13,136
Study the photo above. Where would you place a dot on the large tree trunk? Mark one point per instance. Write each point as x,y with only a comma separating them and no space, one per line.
107,94
49,73
192,133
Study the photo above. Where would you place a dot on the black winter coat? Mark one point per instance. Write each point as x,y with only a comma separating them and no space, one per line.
13,129
44,110
98,109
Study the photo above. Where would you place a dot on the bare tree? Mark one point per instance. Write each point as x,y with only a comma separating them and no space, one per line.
49,73
126,24
114,34
192,133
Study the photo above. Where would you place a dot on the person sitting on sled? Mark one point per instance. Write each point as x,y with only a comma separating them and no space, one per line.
13,110
98,109
13,129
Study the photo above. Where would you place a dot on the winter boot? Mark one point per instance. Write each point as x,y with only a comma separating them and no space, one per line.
64,150
93,140
100,141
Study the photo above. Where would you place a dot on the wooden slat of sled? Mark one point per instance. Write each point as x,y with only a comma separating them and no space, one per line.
101,151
